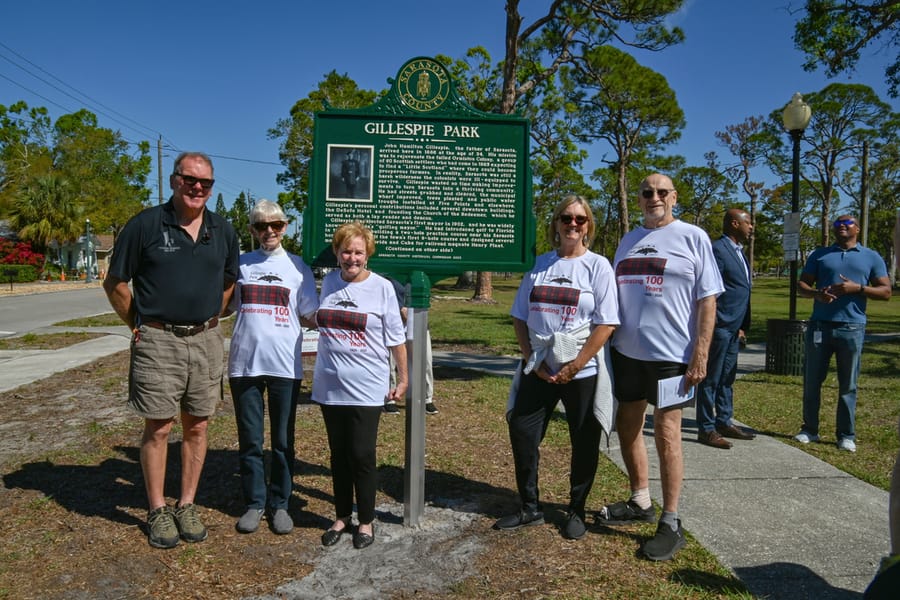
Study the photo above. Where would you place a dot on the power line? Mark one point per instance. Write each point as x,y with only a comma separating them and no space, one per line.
76,90
30,91
170,145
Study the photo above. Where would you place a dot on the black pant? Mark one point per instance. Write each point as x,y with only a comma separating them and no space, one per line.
528,423
352,434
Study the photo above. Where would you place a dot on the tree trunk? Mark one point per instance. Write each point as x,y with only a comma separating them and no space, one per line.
622,184
465,281
484,289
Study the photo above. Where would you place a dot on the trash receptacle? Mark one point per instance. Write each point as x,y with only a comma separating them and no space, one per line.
785,346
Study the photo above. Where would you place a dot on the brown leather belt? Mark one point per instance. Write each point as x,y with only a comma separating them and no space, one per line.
183,330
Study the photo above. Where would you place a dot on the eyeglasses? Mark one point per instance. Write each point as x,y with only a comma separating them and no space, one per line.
661,192
847,222
190,181
579,219
275,225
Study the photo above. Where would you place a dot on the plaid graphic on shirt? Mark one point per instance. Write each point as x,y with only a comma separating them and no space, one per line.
641,266
549,294
341,319
271,295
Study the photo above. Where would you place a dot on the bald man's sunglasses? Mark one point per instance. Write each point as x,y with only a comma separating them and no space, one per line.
661,192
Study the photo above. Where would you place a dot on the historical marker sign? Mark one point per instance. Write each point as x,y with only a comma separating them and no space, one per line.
446,188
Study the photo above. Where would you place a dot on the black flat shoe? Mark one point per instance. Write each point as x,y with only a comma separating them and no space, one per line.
331,537
363,540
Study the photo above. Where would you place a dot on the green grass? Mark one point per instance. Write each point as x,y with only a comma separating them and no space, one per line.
771,300
46,341
772,404
110,319
456,321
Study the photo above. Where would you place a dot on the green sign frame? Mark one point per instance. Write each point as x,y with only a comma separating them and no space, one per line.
444,187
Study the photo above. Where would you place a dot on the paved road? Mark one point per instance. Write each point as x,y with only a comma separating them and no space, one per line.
21,314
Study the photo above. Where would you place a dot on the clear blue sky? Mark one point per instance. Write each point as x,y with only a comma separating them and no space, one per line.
216,75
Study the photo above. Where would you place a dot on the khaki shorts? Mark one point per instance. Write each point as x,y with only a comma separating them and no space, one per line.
171,374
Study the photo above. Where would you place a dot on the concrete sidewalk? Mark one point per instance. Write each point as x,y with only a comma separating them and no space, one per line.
789,525
20,367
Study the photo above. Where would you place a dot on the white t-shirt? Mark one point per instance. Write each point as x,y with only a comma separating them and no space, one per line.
271,293
358,323
661,274
562,294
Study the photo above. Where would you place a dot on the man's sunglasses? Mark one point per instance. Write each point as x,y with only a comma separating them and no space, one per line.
275,225
190,181
579,219
661,192
847,222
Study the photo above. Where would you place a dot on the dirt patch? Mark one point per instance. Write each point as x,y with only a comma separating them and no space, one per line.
70,465
43,287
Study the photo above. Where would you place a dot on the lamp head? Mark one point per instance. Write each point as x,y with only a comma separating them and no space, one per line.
796,114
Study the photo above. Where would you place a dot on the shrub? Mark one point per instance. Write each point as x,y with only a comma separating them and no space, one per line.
19,253
18,273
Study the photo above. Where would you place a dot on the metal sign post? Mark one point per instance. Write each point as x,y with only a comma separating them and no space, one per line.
414,469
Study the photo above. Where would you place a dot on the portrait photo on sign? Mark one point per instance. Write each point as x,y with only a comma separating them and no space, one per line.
349,173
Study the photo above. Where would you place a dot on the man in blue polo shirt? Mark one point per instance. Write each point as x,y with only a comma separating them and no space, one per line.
182,262
840,279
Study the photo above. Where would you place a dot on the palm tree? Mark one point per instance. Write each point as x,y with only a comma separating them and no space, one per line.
45,210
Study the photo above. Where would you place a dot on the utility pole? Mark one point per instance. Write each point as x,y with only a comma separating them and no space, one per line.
159,166
249,210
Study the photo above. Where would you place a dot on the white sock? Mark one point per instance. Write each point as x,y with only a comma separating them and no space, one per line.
641,497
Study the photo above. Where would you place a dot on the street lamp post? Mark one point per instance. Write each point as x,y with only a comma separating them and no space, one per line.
88,248
785,347
795,117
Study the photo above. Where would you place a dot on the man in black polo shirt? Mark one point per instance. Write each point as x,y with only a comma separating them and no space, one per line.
182,261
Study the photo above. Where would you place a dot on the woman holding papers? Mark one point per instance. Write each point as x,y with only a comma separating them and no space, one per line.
668,282
563,314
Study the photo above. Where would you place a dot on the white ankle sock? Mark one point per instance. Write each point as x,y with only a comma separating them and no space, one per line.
641,497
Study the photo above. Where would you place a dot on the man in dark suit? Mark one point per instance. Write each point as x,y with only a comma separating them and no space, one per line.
715,406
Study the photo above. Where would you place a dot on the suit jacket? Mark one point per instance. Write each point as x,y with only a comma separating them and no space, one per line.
733,306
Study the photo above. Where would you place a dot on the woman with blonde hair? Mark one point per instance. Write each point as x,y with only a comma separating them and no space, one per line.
563,314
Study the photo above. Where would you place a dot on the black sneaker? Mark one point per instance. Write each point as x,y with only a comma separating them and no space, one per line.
623,513
430,408
665,543
574,528
520,519
391,408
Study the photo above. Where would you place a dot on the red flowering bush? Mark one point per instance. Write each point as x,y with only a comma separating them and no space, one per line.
19,253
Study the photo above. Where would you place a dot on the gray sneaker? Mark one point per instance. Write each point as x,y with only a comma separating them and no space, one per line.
189,525
249,521
161,529
281,521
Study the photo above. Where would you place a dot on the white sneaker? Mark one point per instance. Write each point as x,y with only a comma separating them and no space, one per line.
805,438
847,444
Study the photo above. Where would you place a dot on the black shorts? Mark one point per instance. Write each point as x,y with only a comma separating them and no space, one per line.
636,380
